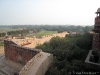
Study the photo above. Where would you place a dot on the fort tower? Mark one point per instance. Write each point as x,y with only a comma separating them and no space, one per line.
96,35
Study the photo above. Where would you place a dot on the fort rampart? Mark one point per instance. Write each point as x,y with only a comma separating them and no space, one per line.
34,60
29,64
18,53
33,42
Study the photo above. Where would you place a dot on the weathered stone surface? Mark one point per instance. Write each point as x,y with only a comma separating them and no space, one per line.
18,53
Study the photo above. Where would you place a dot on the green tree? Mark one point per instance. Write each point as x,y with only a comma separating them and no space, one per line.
69,53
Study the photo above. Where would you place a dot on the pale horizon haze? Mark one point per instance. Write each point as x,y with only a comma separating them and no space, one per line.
50,12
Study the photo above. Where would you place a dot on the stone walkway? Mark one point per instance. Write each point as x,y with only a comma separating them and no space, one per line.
8,67
36,67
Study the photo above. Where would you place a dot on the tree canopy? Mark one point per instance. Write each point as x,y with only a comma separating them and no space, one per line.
69,53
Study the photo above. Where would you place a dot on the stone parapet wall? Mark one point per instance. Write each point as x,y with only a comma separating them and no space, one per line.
18,53
45,65
39,66
30,63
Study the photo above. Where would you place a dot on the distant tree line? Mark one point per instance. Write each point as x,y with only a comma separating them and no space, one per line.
37,28
52,27
17,32
2,34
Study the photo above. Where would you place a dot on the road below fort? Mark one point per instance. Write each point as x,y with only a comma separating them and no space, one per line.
1,49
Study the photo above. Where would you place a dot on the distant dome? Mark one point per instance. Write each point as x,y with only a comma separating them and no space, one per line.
98,10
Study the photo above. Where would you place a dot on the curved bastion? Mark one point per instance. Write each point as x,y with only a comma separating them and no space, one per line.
20,60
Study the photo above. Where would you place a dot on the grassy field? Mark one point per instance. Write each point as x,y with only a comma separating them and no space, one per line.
1,44
42,33
6,29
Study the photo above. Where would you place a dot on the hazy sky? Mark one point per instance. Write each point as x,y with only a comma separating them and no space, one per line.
75,12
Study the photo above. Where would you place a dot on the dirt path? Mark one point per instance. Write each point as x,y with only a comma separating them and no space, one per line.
1,49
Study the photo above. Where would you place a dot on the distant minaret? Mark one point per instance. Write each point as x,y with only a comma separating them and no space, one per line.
96,35
6,34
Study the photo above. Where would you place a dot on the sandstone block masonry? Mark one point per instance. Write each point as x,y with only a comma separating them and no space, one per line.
18,53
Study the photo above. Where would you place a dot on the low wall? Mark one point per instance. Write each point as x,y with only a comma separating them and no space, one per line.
18,53
45,65
38,67
29,64
92,65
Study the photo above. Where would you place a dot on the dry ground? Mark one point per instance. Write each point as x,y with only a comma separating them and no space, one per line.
1,49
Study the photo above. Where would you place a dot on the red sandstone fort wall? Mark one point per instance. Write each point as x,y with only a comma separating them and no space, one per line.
18,53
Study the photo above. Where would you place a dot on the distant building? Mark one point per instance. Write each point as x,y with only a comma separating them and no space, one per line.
30,32
72,33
